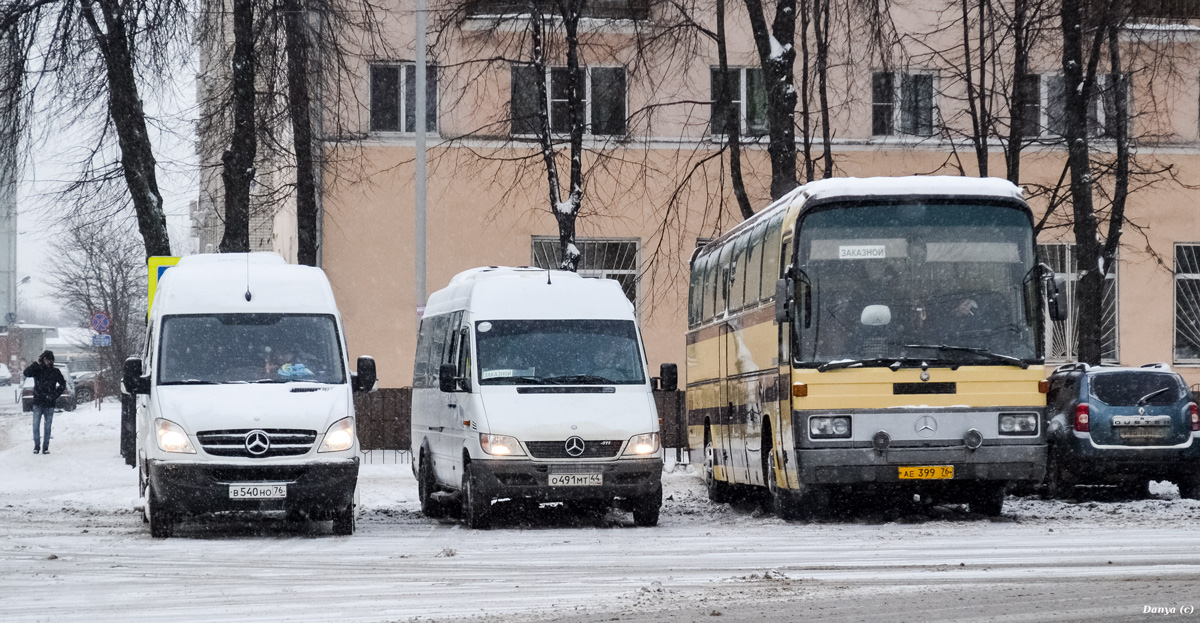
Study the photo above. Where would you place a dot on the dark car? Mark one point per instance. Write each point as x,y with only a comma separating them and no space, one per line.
1121,426
65,402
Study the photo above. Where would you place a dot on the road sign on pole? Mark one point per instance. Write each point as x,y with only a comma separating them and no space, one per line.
100,322
102,340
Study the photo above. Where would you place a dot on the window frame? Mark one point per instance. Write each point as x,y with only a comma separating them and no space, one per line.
745,129
581,243
1099,128
1176,277
897,102
1071,277
587,103
402,101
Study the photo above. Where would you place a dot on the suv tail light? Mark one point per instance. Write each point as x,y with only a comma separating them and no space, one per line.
1194,416
1081,417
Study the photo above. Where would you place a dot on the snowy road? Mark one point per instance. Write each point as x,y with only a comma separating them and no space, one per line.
73,549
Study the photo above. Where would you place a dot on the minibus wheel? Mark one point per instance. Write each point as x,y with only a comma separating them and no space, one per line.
477,506
425,487
344,521
162,520
646,508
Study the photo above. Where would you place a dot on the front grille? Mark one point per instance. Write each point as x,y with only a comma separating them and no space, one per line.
558,449
283,442
273,473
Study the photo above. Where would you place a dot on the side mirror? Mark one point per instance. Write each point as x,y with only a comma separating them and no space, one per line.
132,378
1056,306
784,292
668,374
364,380
448,377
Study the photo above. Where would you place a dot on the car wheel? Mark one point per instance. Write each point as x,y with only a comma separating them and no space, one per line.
1139,490
646,508
783,501
162,519
718,491
83,395
425,489
345,521
477,506
988,499
1189,489
1057,486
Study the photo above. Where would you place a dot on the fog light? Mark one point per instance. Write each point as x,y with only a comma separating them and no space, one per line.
881,441
973,439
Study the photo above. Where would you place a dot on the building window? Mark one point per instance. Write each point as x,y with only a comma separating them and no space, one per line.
1062,337
394,98
1187,303
1172,10
902,103
1030,87
1101,109
598,9
748,98
603,106
604,258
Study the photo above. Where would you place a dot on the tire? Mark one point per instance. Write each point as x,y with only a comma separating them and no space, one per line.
425,488
345,521
477,507
1189,489
1139,490
142,493
1057,485
83,395
646,508
719,492
162,520
783,501
988,499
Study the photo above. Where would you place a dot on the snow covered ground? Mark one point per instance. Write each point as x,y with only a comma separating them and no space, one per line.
73,548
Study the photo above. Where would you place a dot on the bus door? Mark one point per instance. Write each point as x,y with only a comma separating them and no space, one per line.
736,403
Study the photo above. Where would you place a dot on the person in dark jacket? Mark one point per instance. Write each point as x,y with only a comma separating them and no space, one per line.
48,385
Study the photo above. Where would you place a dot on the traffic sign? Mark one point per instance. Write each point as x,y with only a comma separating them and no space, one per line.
100,322
102,340
158,265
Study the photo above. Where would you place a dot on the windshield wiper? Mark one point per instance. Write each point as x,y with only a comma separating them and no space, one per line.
587,379
516,380
189,382
1146,399
895,363
1009,359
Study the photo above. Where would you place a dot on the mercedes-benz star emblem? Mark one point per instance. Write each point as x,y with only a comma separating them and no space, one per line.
926,426
257,442
574,446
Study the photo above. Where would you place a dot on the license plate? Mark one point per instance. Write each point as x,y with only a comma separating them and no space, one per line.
576,480
257,492
927,472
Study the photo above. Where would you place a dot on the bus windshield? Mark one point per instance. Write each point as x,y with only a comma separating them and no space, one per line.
249,348
558,352
913,283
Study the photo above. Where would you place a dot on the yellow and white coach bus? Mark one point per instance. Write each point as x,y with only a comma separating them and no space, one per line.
880,334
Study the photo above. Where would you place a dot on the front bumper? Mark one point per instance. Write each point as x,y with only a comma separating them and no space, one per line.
866,465
315,488
529,479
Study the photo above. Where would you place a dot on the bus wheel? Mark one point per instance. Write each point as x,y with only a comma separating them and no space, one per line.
988,500
782,500
718,491
477,506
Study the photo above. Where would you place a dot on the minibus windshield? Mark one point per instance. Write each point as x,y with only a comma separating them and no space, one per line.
559,352
249,348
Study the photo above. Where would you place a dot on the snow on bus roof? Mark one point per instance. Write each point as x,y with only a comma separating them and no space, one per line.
913,185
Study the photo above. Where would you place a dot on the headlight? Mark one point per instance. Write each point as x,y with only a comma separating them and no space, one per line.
339,437
500,445
829,427
1018,424
641,445
171,437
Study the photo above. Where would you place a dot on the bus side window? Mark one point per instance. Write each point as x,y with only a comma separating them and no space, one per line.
723,277
710,286
754,258
737,273
696,294
771,268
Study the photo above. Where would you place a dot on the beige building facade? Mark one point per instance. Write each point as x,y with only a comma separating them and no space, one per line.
656,179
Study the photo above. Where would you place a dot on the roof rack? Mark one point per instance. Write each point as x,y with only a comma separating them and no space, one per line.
1072,367
1157,366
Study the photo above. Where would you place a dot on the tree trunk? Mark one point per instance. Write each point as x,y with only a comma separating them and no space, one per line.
238,161
805,87
1077,92
821,33
733,120
777,55
129,120
300,111
1017,98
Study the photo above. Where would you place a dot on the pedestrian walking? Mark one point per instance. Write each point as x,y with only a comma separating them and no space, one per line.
48,385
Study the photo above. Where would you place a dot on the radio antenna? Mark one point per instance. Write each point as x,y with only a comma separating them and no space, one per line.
548,277
248,295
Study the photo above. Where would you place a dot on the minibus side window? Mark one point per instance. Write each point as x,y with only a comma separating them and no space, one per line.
421,364
464,358
437,347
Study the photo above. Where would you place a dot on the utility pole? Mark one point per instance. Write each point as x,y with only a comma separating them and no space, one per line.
419,115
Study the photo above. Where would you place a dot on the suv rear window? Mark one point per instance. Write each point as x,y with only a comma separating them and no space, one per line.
1125,389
